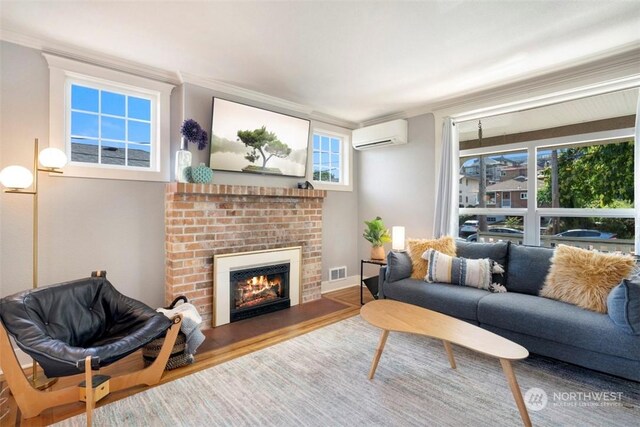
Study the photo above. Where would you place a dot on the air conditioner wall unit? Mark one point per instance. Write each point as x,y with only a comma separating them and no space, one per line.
380,135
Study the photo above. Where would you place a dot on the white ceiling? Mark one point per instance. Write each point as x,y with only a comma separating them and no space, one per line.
353,60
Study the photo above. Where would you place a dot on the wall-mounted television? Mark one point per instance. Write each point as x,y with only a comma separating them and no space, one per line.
253,140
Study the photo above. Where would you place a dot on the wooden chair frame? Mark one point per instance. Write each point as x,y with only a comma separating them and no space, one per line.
32,401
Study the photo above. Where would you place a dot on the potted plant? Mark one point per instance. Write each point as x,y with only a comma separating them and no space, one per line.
376,234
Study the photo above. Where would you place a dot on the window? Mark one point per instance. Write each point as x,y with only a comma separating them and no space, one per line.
111,124
330,160
594,206
109,127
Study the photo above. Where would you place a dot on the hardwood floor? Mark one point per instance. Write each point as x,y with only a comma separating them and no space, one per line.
221,344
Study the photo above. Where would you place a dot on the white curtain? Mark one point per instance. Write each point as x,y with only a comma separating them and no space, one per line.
636,176
446,218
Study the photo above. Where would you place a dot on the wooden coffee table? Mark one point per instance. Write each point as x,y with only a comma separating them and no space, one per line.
397,316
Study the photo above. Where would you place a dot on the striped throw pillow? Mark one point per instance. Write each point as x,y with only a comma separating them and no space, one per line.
475,273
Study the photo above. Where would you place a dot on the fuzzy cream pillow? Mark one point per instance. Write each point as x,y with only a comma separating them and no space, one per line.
445,244
585,278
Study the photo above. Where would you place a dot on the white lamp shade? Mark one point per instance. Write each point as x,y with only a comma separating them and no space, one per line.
16,177
52,158
397,238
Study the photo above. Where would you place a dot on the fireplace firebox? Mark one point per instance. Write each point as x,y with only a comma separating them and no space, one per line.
259,290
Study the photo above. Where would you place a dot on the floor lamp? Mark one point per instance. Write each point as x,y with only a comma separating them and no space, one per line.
17,180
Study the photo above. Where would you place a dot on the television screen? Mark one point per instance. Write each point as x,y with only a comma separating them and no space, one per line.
253,140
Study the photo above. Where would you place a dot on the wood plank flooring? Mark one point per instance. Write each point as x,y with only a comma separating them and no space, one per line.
221,344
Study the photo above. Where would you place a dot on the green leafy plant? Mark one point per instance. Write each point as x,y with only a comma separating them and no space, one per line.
376,233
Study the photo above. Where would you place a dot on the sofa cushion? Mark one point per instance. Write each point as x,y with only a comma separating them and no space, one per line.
496,251
558,322
453,300
585,278
623,305
527,268
476,273
398,266
445,244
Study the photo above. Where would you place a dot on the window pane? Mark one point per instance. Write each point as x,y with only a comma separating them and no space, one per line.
84,98
324,160
139,132
139,155
335,145
139,108
324,143
316,142
112,128
113,103
505,177
84,150
335,175
603,234
83,124
335,160
113,153
491,228
595,175
316,158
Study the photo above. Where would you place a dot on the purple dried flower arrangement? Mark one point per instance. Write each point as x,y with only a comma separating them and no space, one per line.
193,133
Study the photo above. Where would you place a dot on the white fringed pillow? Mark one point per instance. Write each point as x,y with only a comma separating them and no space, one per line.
475,273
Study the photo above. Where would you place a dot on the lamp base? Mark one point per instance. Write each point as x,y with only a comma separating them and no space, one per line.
41,382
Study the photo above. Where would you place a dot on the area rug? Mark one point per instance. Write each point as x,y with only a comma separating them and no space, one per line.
320,379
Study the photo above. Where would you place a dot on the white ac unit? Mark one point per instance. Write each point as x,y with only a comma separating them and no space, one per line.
389,133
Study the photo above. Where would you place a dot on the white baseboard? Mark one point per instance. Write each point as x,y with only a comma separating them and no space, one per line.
330,286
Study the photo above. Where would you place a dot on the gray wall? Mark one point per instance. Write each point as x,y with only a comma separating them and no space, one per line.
398,183
88,224
85,224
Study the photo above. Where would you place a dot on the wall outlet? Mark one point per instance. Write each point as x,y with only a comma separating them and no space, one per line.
337,273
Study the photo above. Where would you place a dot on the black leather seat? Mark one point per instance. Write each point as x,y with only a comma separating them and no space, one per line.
60,325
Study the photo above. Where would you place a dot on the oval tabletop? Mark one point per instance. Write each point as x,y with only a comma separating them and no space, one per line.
402,317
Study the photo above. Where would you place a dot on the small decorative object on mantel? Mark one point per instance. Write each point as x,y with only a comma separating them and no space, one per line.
200,174
376,234
305,185
183,162
191,132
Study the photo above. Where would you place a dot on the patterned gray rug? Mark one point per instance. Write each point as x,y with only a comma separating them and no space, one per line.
320,379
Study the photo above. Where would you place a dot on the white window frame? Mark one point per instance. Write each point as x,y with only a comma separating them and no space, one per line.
532,214
346,159
64,72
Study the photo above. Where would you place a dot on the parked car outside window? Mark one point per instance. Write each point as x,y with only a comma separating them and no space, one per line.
593,234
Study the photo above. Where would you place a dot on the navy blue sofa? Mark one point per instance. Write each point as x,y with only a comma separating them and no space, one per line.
544,326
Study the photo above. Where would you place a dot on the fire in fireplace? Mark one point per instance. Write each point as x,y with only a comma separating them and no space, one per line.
259,290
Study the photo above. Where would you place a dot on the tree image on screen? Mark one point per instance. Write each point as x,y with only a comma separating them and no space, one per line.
263,145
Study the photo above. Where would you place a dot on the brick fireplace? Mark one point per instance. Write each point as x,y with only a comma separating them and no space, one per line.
203,220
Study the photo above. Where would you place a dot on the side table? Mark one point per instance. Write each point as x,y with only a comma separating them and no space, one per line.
371,282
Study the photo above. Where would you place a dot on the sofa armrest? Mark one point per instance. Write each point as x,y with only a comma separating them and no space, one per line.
382,278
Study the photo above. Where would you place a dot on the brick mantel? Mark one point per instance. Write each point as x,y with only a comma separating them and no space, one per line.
202,220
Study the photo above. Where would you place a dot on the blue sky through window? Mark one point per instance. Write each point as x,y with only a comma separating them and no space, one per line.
116,124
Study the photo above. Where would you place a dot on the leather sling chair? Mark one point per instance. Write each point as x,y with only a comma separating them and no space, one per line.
78,327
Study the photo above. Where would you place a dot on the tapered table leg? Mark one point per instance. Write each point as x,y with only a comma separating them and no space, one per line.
515,390
447,347
376,358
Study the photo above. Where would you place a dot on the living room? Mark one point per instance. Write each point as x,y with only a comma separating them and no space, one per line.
523,80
